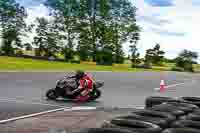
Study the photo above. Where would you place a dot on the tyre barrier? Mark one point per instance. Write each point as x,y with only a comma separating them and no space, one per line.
133,125
194,116
177,106
191,100
187,106
168,108
156,100
156,114
186,123
154,120
161,115
196,111
181,130
105,130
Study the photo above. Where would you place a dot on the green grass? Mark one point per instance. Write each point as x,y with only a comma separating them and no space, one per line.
21,64
197,68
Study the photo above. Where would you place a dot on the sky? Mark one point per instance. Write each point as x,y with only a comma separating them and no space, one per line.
174,24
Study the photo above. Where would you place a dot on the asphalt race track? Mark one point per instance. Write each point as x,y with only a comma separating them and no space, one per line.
24,93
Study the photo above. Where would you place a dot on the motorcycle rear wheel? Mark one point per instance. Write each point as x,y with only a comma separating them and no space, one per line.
51,94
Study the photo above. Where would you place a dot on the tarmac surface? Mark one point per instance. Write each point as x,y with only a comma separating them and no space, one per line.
24,93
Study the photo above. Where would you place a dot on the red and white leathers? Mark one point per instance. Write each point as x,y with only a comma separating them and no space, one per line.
86,86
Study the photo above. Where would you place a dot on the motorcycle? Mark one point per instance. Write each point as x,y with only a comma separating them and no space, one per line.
61,88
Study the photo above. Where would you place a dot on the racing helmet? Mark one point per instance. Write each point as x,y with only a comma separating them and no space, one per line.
80,74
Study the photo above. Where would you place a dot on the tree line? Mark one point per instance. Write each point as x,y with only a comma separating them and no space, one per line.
90,29
155,56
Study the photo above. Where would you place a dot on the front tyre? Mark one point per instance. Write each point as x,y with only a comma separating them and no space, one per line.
95,95
51,94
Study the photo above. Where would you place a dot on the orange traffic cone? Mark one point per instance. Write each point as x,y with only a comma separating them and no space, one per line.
162,86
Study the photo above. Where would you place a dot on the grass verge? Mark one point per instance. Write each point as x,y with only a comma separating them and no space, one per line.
21,64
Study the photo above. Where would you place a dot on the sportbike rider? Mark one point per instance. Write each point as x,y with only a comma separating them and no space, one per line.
85,86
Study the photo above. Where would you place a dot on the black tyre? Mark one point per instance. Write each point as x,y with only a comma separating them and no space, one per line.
186,123
196,111
186,105
168,109
155,120
182,117
51,94
95,95
191,100
156,114
105,130
179,107
133,125
181,130
193,117
156,100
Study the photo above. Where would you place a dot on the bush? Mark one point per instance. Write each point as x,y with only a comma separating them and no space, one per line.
19,53
144,66
75,61
179,69
188,67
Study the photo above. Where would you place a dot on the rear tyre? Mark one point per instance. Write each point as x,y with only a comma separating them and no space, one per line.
51,94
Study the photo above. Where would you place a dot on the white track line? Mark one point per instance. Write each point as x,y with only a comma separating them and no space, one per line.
33,103
47,112
80,108
32,115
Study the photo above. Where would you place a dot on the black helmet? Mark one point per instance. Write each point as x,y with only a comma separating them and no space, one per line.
80,74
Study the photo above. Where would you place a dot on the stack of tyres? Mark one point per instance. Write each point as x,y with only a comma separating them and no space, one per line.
162,115
156,100
168,109
105,130
195,116
186,108
142,121
181,130
157,121
158,118
186,124
132,125
191,100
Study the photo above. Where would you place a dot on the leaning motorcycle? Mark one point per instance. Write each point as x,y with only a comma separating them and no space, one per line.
60,91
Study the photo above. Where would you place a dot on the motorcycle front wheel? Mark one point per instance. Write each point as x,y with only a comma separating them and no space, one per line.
51,94
95,95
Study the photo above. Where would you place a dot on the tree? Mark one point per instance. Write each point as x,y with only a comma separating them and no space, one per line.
135,55
66,15
46,39
97,25
92,25
28,46
124,24
154,55
186,59
12,17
